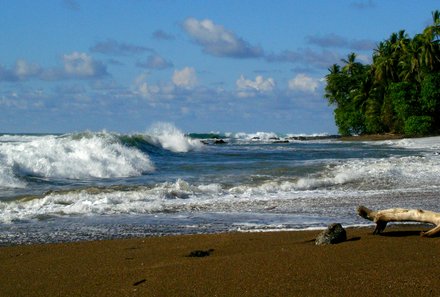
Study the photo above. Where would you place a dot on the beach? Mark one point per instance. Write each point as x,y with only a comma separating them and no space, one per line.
397,263
199,219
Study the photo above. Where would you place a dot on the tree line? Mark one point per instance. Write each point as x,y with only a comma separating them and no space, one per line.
398,93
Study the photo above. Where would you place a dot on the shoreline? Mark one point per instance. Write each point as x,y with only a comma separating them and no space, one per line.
374,137
282,263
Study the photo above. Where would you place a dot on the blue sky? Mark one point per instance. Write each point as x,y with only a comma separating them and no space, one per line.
227,66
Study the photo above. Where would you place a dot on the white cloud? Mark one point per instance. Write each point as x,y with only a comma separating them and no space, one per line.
218,41
249,88
24,69
303,83
185,78
181,82
81,65
153,92
143,88
74,66
259,84
21,71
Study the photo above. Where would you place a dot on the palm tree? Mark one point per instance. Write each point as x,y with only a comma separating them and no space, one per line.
410,68
333,88
366,96
428,51
430,40
402,42
362,93
436,21
334,69
386,65
351,66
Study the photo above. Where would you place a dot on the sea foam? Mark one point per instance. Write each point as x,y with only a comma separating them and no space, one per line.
170,138
348,180
83,156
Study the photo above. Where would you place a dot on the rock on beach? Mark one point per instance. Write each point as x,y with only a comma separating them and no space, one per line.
334,233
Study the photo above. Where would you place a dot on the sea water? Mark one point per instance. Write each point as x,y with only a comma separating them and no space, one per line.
101,185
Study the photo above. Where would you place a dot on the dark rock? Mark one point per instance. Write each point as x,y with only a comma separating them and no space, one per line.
220,141
200,253
139,282
302,138
312,137
334,233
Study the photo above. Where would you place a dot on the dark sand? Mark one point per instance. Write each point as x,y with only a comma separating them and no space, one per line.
397,263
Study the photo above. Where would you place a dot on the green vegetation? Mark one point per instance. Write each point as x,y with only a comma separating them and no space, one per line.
398,93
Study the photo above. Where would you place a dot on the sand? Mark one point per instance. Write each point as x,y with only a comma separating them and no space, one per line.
397,263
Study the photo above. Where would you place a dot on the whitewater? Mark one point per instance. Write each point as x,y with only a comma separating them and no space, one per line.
102,185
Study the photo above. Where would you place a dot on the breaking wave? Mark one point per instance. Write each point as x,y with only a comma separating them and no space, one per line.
175,173
170,138
86,155
335,183
77,156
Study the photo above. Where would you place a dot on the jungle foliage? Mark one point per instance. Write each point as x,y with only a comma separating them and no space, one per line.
398,93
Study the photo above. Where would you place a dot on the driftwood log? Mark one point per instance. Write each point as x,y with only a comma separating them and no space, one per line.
382,217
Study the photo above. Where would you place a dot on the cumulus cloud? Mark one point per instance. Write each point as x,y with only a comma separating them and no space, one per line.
113,47
218,41
143,88
250,88
23,98
259,84
75,65
185,78
21,71
155,62
153,92
182,85
303,83
81,65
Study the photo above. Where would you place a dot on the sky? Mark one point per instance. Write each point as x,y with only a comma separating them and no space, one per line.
204,66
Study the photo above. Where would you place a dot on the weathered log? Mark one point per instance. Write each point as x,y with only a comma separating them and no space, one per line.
382,217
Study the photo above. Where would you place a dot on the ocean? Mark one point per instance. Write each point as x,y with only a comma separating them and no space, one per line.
103,185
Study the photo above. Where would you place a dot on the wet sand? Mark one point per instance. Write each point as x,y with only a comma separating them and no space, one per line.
397,263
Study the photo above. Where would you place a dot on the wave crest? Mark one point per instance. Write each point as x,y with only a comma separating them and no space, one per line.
170,138
76,156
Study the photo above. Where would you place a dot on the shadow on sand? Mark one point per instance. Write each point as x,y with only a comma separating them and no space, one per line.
401,233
